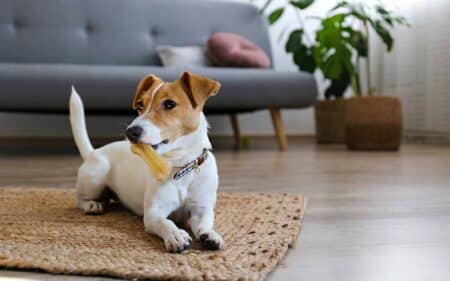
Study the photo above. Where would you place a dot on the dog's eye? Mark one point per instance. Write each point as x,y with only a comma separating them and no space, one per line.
169,104
139,106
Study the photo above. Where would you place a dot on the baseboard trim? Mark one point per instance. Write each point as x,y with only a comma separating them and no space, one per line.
428,138
261,136
45,142
67,142
7,142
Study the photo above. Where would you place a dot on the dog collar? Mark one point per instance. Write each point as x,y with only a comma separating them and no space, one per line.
193,165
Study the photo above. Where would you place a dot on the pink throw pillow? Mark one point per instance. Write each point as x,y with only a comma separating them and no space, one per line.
229,49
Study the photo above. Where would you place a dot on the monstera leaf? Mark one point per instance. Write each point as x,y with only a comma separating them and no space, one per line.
304,59
377,16
294,41
358,41
338,87
384,34
301,4
302,54
337,46
389,18
333,51
275,15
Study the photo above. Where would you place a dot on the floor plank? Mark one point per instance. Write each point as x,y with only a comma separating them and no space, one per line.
370,216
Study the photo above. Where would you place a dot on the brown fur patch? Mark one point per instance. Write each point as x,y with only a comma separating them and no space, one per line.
189,92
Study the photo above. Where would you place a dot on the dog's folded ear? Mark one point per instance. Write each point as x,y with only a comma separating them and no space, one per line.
198,88
144,86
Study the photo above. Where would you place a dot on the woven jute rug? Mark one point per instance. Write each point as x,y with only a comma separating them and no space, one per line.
40,228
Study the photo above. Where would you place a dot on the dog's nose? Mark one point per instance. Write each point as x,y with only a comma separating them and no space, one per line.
134,133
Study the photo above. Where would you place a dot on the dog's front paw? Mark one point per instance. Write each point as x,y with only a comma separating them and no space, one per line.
91,207
177,241
211,240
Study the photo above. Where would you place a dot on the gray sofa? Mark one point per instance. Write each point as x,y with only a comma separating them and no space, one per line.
104,47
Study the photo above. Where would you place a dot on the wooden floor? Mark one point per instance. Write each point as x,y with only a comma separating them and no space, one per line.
370,216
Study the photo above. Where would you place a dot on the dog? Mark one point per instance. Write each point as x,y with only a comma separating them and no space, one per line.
171,120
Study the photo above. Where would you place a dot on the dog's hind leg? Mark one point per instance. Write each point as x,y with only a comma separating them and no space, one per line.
91,183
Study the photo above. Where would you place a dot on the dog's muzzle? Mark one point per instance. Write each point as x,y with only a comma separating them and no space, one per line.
156,146
134,133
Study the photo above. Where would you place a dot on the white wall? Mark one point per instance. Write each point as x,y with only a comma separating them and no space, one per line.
297,122
417,70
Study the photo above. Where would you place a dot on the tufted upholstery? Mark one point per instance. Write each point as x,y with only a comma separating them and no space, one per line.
104,47
116,32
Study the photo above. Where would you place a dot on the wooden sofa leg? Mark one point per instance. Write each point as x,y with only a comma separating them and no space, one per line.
236,130
275,113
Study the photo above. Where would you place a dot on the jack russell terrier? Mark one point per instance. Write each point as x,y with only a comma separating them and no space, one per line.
170,119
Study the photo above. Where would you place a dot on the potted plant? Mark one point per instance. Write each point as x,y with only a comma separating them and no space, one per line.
337,50
372,122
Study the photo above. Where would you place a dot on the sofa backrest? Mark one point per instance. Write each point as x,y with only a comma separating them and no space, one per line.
123,32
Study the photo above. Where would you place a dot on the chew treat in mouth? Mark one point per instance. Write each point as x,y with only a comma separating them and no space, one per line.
157,164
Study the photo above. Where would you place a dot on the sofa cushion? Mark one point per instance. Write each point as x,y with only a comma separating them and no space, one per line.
173,56
117,32
110,89
229,49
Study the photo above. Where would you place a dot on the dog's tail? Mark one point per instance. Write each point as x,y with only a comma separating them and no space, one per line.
79,125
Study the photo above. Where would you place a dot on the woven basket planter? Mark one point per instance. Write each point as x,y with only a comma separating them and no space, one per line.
373,123
329,117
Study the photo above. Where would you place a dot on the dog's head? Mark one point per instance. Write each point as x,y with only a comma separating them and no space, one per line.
169,110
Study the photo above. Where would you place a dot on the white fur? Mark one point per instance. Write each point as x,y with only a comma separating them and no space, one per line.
151,133
116,167
79,125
